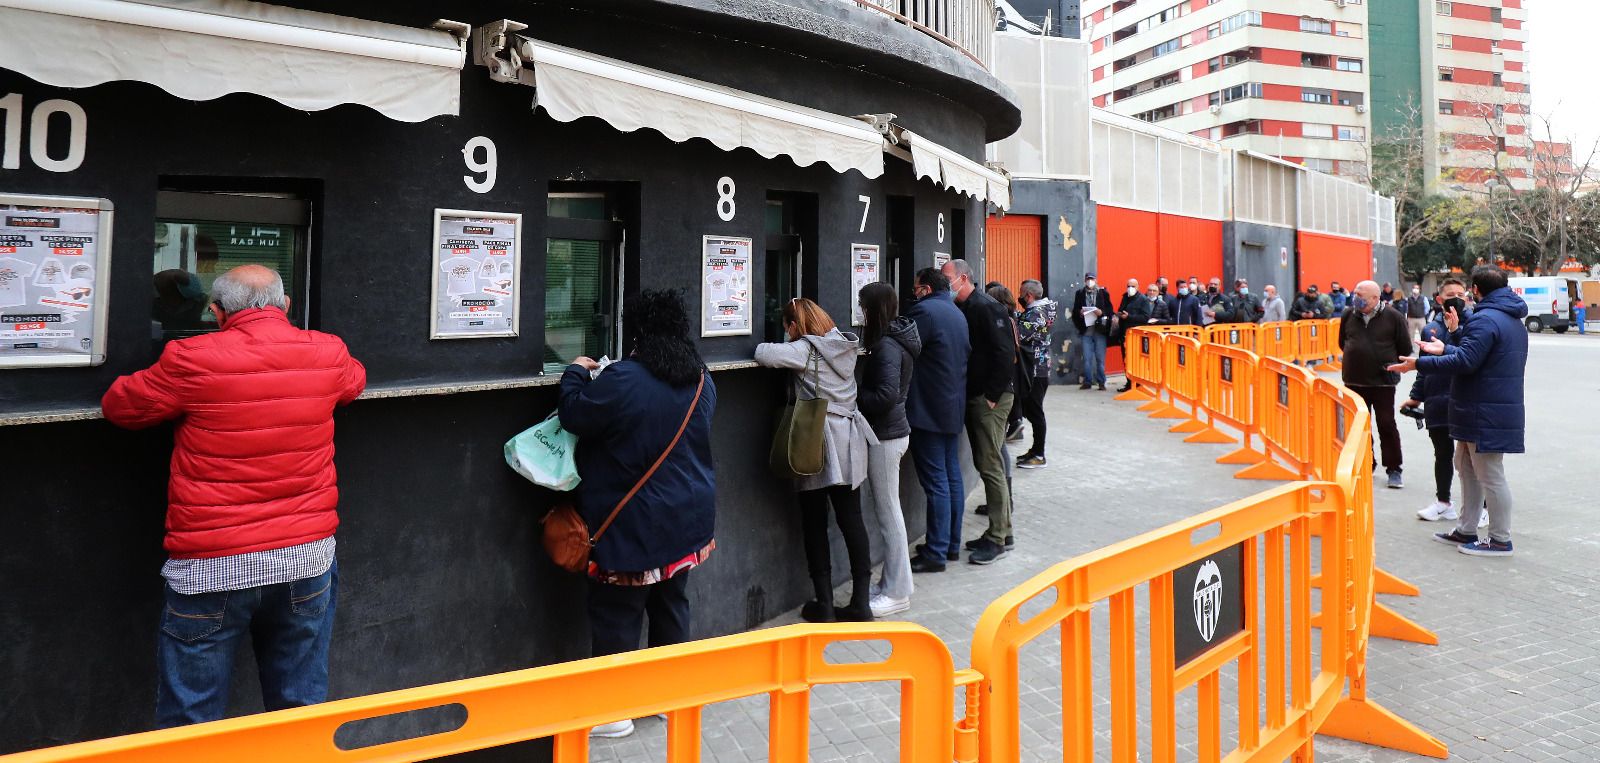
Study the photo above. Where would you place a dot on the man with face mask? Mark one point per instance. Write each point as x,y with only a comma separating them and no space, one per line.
1272,308
1214,305
1243,307
1307,306
1488,418
1183,308
1373,336
1338,297
1431,392
1416,310
1091,316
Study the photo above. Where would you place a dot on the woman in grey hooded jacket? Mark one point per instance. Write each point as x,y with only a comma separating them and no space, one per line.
846,439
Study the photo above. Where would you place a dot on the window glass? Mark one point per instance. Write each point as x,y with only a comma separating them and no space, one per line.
193,246
574,293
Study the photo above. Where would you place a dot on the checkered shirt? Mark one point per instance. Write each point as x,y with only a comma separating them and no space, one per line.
257,568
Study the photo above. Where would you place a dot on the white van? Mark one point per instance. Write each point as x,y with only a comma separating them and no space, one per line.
1549,301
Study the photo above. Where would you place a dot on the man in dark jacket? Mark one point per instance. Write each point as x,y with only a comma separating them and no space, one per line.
1243,307
1091,316
1135,310
1307,306
990,383
1416,310
934,411
1373,336
1183,308
1487,416
1431,392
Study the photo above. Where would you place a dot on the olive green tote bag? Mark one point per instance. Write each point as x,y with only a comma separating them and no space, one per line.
797,447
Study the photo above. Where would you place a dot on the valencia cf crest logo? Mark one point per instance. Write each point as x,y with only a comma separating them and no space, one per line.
1207,600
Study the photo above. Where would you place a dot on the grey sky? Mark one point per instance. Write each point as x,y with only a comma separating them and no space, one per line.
1561,47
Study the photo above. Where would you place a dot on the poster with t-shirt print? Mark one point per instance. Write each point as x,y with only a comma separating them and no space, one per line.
476,274
53,257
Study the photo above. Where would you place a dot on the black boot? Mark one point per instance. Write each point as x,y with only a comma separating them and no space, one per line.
820,609
860,608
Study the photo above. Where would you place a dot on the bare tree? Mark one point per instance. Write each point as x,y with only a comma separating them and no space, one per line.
1543,216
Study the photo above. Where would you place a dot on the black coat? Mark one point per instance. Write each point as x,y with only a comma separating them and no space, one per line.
624,419
1242,308
1139,311
886,375
1370,347
991,370
1102,300
1433,390
1184,310
1305,303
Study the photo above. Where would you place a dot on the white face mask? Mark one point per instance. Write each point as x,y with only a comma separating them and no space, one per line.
1244,290
1132,291
1183,291
1088,285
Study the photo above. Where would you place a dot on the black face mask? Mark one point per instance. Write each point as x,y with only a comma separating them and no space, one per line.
1211,289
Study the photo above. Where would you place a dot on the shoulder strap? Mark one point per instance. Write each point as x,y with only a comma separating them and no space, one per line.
653,467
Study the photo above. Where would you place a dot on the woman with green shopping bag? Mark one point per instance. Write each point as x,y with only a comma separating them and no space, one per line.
625,420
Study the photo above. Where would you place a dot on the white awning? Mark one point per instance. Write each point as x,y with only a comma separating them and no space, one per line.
204,49
956,172
573,83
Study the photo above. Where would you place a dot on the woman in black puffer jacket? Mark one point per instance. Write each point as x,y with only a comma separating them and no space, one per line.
892,345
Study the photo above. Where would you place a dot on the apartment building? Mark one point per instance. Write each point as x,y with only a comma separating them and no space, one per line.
1460,69
1287,78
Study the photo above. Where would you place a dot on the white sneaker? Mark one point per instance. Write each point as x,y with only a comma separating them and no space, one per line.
883,606
1438,510
613,730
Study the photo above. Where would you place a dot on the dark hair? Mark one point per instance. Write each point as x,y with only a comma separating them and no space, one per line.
879,305
933,279
1488,278
991,285
1449,281
658,323
1003,295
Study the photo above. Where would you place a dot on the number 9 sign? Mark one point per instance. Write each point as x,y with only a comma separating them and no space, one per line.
489,167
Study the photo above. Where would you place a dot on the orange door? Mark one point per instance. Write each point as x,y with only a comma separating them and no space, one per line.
1014,251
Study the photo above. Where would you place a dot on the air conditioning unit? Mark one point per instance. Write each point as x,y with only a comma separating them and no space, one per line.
1361,108
1216,110
1340,3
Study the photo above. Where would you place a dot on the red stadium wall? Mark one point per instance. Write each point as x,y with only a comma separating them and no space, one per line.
1143,245
1325,258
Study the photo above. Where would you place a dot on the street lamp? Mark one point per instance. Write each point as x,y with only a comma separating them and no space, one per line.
1491,184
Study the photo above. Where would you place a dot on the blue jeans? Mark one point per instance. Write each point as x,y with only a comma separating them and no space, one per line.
290,624
1094,358
937,457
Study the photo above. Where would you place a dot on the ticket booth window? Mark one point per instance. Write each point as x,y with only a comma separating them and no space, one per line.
200,235
583,278
790,262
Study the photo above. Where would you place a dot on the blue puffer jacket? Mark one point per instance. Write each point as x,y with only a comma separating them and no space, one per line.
1486,368
939,382
1433,390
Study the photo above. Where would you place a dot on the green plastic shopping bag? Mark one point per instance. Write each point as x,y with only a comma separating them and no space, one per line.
544,453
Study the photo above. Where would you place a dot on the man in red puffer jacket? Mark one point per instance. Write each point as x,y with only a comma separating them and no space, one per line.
252,498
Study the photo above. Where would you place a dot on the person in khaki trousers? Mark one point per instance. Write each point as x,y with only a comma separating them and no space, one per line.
991,375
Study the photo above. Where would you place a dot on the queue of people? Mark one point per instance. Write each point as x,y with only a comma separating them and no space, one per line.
253,493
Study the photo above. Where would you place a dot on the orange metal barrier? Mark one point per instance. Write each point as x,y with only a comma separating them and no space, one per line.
1276,340
1283,399
564,701
1299,695
1229,398
1312,342
1141,349
1240,335
1180,377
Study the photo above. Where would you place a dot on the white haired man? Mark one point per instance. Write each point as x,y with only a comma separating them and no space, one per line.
251,499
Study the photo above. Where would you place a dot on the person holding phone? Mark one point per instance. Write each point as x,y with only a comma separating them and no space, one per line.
1431,392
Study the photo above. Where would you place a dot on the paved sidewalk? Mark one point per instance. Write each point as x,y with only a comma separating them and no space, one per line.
1516,675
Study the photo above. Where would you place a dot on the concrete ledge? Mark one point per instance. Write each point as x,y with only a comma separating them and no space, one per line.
380,392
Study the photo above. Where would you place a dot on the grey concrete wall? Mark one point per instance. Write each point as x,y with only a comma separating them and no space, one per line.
1257,252
1385,264
1069,241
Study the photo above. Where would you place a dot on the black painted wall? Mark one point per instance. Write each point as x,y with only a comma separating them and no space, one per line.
1386,265
1255,251
441,574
